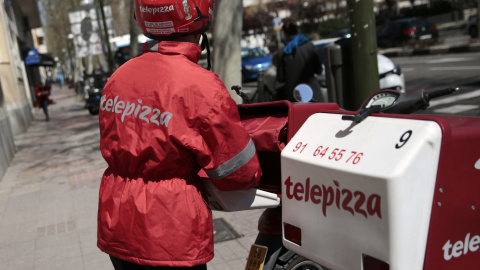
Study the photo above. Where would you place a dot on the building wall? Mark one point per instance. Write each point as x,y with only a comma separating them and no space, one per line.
13,76
7,146
15,102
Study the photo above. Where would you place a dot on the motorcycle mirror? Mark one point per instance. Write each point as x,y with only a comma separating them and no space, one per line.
303,93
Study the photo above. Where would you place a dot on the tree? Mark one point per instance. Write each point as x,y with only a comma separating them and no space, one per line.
226,39
257,17
134,29
57,24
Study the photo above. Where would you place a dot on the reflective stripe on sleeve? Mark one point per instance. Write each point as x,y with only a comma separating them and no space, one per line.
234,163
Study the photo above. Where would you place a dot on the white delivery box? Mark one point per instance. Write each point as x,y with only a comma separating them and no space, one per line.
352,190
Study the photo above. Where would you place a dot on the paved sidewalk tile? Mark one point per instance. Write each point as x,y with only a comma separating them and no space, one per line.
49,197
49,193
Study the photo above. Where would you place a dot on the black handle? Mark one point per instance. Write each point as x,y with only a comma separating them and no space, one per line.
238,89
362,114
441,93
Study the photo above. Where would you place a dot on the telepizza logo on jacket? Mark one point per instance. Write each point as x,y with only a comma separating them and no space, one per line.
127,109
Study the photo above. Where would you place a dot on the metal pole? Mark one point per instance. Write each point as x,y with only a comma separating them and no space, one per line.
363,50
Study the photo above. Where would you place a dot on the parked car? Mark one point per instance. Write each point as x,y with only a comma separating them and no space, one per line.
472,26
390,73
397,32
254,60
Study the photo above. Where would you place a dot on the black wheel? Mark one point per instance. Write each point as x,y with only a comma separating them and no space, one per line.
298,262
93,110
301,263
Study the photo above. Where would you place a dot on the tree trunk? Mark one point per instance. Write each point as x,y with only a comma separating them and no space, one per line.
226,43
134,30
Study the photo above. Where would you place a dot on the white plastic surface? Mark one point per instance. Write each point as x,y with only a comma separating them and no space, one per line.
373,198
239,200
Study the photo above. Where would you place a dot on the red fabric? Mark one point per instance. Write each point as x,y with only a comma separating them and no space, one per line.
162,119
267,132
42,92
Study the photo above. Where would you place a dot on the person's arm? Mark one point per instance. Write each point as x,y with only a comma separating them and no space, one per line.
228,154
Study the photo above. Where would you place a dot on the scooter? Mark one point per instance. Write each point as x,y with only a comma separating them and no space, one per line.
93,93
371,189
92,100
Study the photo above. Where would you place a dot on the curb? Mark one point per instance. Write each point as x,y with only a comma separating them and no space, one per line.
464,48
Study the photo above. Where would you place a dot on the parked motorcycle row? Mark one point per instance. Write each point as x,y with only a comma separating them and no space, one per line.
90,88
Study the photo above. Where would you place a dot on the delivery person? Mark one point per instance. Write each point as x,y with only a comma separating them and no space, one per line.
163,118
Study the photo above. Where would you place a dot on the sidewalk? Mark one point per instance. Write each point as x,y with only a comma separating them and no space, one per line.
49,196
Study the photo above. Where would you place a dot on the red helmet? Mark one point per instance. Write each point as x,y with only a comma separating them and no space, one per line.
170,18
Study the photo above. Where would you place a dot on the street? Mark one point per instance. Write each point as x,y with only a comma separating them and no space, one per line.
437,72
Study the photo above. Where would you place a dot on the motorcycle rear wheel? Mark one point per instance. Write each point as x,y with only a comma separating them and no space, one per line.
300,263
93,110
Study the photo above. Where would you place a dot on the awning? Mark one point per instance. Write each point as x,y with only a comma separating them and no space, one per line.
37,59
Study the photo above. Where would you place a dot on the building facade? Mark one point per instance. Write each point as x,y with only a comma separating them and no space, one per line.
16,98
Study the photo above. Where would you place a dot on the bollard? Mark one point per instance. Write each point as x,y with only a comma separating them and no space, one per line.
334,73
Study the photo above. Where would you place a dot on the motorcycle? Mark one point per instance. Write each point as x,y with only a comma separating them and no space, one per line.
92,100
93,92
371,189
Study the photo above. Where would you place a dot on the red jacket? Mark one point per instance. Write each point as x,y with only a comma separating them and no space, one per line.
41,93
163,118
